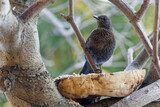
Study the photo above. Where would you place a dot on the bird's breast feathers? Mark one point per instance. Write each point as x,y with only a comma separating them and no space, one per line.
100,38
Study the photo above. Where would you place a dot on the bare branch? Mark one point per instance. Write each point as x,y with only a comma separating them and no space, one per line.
71,8
70,19
141,97
34,9
124,8
155,58
133,20
152,75
143,9
131,50
140,31
139,61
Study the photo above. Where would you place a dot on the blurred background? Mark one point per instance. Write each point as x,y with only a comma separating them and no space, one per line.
59,47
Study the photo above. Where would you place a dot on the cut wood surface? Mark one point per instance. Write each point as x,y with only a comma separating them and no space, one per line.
118,84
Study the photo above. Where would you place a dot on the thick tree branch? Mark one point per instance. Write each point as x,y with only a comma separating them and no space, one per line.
4,7
139,61
8,27
155,58
142,10
152,74
70,19
19,6
141,97
34,9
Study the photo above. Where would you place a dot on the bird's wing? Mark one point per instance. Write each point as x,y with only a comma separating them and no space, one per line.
95,32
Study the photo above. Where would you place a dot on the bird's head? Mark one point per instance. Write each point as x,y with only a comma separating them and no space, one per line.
103,21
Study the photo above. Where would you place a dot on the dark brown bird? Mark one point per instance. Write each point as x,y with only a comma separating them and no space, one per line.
100,43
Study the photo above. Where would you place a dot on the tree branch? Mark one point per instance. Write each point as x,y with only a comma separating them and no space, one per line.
155,58
142,10
128,12
131,50
4,7
8,26
133,20
70,19
71,8
34,9
139,61
152,74
141,97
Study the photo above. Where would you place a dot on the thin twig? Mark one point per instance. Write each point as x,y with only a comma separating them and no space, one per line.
71,10
142,10
131,50
70,19
155,58
34,9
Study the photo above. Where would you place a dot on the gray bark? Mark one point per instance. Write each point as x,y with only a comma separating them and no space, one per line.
23,76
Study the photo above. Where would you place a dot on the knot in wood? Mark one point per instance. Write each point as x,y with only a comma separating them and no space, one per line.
7,85
134,19
69,18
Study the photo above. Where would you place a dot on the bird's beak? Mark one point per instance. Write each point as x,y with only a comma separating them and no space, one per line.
96,17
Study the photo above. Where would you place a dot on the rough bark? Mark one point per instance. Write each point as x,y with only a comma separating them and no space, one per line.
140,97
23,76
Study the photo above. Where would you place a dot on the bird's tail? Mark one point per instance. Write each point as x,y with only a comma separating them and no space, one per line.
86,68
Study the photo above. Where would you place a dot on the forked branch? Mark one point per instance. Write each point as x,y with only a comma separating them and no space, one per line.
34,9
70,19
134,21
142,10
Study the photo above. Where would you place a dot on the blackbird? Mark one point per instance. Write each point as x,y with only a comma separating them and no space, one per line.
100,43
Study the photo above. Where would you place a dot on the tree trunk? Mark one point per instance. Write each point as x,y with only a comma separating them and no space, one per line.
24,78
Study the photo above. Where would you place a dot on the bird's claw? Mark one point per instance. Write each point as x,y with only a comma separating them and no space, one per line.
98,71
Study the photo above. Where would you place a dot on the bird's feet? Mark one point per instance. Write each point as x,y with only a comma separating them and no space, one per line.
98,71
